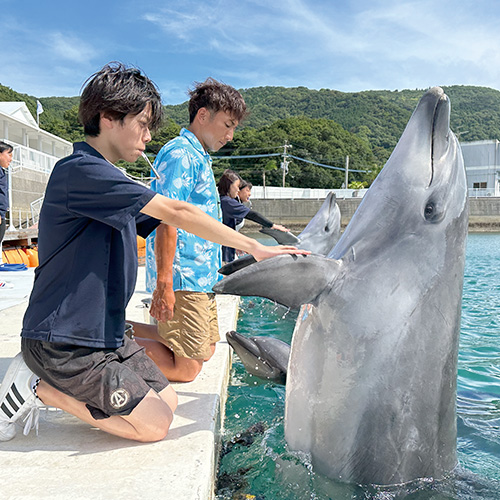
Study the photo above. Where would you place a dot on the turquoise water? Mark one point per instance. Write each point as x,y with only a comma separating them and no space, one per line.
256,463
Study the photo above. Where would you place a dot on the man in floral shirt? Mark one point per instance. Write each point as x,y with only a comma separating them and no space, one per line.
185,268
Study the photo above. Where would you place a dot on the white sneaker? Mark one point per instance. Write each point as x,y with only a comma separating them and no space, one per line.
6,284
18,399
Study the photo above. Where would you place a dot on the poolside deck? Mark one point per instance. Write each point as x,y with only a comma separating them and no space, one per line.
69,459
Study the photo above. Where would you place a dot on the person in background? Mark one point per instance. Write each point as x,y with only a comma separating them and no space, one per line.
5,159
233,211
245,192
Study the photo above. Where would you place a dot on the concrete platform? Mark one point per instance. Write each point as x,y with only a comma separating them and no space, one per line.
70,460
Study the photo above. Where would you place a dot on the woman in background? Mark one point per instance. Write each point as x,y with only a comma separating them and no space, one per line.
233,211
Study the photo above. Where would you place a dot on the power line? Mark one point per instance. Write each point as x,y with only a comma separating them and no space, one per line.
245,156
323,165
285,155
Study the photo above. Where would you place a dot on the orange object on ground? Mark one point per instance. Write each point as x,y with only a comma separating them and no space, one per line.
15,256
32,254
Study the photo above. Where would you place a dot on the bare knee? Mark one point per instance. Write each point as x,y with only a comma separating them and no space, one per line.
187,369
153,434
154,430
212,352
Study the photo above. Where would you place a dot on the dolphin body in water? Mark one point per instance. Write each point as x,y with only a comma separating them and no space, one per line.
371,386
319,236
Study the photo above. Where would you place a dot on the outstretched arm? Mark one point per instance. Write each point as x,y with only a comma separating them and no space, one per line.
263,221
193,220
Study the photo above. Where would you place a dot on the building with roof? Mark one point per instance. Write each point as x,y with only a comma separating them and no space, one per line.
482,165
36,151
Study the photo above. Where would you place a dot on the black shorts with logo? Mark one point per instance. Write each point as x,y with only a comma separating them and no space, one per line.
109,381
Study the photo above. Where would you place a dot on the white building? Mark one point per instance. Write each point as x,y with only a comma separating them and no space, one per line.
35,153
482,165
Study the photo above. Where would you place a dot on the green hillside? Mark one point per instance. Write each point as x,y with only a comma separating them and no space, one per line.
322,125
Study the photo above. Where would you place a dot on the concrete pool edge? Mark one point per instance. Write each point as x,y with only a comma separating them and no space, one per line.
70,459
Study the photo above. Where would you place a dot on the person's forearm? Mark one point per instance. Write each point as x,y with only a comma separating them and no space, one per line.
165,245
258,218
192,219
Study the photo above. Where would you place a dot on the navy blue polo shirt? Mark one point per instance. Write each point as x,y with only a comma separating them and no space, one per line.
87,249
4,192
233,212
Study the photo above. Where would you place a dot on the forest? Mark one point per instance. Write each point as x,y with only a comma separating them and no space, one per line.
317,126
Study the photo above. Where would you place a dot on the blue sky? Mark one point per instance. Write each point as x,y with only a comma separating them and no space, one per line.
51,47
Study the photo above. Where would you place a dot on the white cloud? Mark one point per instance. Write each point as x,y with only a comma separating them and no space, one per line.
70,48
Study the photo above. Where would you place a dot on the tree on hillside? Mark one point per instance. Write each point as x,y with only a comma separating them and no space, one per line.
321,141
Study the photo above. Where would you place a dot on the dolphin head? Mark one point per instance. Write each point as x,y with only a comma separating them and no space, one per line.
264,357
422,183
323,230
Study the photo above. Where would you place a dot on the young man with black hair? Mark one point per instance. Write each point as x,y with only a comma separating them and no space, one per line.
74,354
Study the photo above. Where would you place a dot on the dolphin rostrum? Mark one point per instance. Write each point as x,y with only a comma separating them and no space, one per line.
265,357
371,385
319,236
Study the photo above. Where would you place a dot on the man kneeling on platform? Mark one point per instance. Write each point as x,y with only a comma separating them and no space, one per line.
186,267
74,354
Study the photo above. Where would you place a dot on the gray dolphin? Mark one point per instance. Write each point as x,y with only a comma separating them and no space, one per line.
319,236
265,357
371,385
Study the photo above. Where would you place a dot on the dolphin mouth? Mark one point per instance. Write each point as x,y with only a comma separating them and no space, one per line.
440,133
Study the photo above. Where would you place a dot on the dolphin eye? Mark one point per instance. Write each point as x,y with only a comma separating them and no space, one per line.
429,210
433,212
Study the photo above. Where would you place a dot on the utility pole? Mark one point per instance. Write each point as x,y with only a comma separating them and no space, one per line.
284,163
346,171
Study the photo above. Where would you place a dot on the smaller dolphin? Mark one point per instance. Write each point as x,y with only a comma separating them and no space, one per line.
319,236
264,357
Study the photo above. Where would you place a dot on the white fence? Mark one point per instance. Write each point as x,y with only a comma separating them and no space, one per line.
24,157
275,192
280,193
482,193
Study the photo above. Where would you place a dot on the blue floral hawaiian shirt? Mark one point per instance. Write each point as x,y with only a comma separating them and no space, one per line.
185,170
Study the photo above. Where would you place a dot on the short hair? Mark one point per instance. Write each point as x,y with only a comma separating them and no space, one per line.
5,147
227,178
216,96
117,90
244,184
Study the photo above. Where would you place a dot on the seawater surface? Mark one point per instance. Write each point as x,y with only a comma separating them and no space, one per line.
256,463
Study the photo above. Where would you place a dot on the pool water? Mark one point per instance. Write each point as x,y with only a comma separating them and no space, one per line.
256,463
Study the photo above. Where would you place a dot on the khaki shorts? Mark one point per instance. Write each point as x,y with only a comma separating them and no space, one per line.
194,325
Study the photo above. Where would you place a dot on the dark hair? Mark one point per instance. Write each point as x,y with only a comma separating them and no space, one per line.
227,178
118,91
5,147
244,184
215,97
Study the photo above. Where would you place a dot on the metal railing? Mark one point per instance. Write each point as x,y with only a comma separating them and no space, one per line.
483,192
25,157
277,193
